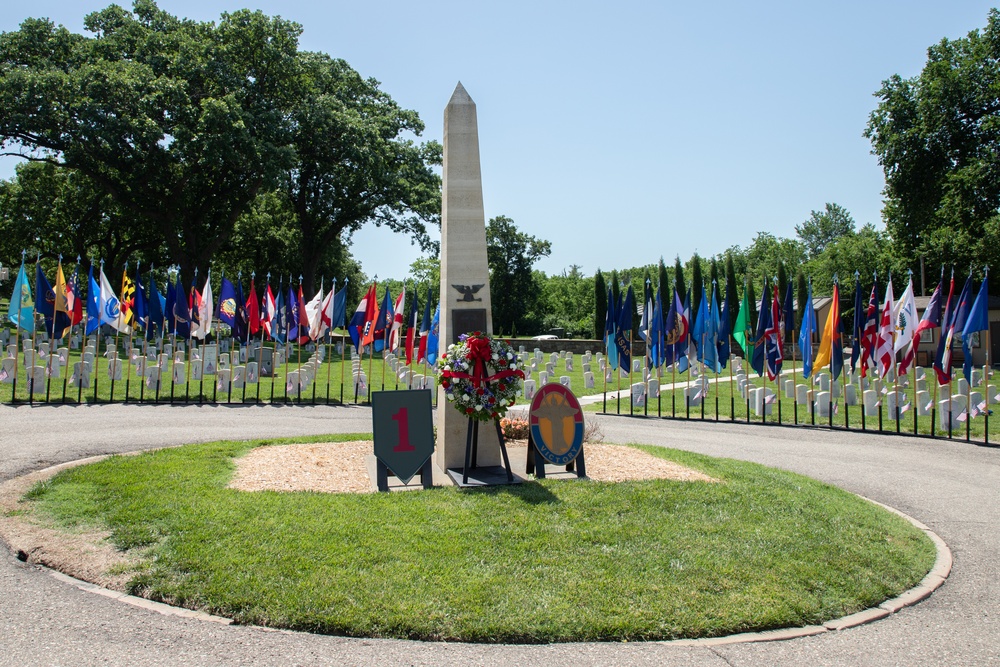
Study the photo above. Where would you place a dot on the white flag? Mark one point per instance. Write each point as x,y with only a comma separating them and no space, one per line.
905,315
884,354
111,313
205,311
397,321
314,310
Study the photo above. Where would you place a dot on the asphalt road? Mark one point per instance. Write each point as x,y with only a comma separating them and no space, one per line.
950,486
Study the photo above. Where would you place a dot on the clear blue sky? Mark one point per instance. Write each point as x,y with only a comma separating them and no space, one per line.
625,132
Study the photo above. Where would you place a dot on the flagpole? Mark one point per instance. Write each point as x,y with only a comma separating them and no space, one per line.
128,360
52,340
34,342
239,277
986,369
201,353
968,393
190,345
274,344
115,362
173,334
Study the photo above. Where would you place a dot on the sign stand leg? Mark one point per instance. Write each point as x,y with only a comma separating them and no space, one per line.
427,475
503,451
383,477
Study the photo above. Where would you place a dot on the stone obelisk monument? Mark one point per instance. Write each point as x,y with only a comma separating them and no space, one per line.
465,275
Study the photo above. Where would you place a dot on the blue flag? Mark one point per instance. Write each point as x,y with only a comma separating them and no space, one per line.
977,320
723,345
623,331
141,302
682,348
860,317
339,308
610,318
45,304
22,308
806,334
381,327
242,328
93,303
763,324
156,308
279,328
432,336
227,304
180,311
656,332
292,314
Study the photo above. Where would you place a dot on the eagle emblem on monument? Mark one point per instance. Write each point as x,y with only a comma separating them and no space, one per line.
467,291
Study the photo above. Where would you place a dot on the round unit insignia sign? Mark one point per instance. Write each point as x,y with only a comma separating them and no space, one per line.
556,424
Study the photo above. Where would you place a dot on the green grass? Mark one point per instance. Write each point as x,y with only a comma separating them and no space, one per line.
544,561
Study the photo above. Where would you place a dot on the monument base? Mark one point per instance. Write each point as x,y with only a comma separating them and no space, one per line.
485,476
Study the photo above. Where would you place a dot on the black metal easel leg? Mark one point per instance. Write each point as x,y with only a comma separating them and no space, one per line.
503,452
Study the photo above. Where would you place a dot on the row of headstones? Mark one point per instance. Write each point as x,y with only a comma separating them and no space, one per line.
151,366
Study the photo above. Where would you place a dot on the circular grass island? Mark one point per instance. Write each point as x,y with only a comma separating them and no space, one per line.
751,549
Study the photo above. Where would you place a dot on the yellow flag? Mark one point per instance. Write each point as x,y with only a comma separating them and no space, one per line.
128,300
826,343
61,303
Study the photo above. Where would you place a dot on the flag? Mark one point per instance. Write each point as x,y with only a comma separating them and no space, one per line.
128,300
870,333
623,331
252,310
21,310
292,316
930,319
699,330
683,362
154,316
723,343
227,303
708,350
944,375
978,320
314,314
321,323
773,353
905,316
610,318
806,331
674,330
432,336
279,321
205,307
884,355
656,331
425,328
339,313
743,323
763,324
380,329
268,311
647,311
63,309
859,324
956,322
788,317
358,328
45,304
73,299
141,302
411,330
111,313
397,320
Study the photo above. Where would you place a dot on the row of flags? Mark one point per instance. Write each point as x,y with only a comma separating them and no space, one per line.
285,317
881,331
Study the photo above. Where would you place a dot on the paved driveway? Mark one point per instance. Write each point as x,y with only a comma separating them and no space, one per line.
952,487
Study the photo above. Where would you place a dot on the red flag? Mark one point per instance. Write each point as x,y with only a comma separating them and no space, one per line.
397,321
884,353
253,312
371,314
303,319
268,312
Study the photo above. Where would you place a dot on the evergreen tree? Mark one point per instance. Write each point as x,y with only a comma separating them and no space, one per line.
697,286
615,290
734,304
679,282
713,273
801,295
782,288
601,304
753,308
663,283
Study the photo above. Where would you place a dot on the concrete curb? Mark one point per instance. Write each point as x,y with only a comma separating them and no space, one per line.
931,582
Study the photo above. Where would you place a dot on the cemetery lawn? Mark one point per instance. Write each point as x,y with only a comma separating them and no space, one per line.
548,561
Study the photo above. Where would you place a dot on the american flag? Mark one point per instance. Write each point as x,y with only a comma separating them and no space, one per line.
4,374
769,398
963,417
903,408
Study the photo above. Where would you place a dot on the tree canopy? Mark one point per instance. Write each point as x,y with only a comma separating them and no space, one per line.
183,125
937,137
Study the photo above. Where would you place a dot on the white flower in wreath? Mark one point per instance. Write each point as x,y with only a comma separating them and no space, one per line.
479,407
451,397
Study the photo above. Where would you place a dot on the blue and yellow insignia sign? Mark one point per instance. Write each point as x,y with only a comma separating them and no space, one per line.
556,424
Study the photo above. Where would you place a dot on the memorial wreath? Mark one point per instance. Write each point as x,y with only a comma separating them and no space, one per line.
466,379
